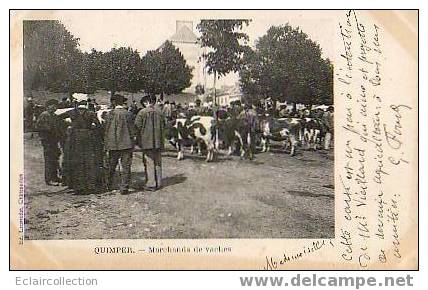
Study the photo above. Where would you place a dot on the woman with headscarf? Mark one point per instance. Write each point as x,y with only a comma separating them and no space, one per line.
83,151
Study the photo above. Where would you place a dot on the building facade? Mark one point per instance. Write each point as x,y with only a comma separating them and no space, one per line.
186,41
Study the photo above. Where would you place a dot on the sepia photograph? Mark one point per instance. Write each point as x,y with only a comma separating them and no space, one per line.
214,139
187,128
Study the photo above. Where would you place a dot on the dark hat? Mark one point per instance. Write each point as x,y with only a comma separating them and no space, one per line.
119,98
51,102
148,98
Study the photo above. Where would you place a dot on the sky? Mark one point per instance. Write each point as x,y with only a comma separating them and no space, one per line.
147,30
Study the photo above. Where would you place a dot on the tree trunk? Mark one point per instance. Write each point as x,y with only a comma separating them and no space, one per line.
215,90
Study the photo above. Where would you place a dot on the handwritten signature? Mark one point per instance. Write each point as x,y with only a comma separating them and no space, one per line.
393,136
273,263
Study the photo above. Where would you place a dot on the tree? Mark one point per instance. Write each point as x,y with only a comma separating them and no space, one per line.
121,69
50,54
92,71
326,91
287,65
252,76
226,43
165,71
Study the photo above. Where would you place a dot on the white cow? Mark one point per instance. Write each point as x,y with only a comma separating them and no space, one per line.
282,129
311,132
198,130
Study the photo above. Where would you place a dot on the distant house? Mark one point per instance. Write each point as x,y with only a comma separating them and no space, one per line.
225,100
183,98
232,95
187,42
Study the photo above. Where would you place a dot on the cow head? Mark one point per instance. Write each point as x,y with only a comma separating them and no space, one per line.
285,132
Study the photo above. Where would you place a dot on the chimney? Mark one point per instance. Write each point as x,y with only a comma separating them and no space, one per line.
180,23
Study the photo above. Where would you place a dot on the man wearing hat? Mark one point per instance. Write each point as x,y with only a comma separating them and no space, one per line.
119,141
150,123
64,103
29,114
49,132
199,109
249,118
328,121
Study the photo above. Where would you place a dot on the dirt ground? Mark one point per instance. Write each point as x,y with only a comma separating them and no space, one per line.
273,196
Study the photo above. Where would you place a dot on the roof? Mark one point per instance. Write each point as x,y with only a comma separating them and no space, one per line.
184,35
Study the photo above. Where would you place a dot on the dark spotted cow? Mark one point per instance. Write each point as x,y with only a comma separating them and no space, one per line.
312,132
287,130
195,131
236,135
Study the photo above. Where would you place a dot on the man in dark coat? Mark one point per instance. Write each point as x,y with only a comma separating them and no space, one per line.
119,141
29,111
150,124
49,132
249,126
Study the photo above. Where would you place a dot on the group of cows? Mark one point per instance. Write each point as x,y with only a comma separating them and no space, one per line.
235,135
206,135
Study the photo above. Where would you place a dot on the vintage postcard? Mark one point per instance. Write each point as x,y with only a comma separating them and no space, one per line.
214,139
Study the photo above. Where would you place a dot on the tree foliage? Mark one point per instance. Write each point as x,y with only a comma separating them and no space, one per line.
226,44
287,65
50,56
53,61
120,70
164,71
92,71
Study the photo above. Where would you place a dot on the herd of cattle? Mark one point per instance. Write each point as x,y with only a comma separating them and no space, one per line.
208,135
234,135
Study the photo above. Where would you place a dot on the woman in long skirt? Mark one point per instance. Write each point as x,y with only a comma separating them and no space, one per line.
84,152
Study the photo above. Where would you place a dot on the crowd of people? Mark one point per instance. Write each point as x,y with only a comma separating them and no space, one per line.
91,150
